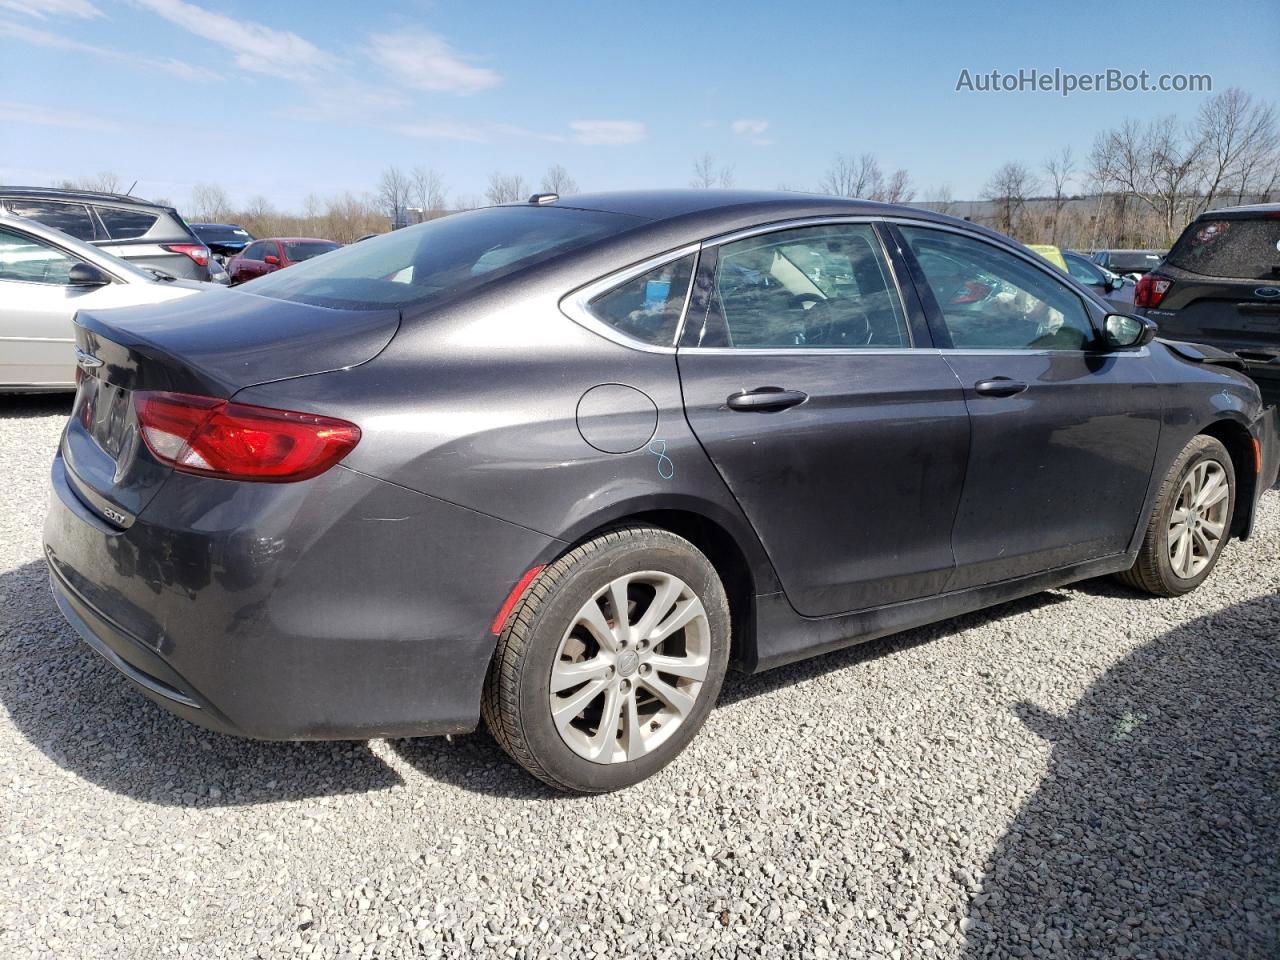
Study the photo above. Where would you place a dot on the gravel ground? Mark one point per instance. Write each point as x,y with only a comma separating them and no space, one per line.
1080,774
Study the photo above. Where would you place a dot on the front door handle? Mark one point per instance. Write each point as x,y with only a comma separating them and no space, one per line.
765,399
999,387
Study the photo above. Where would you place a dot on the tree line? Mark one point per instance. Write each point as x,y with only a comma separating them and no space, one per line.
1137,185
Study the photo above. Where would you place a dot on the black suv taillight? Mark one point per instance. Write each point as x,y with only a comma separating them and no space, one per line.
1150,290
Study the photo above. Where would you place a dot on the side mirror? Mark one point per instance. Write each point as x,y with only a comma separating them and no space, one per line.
1115,283
87,275
1121,332
271,260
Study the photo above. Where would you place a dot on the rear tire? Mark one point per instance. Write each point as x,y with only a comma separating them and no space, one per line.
588,704
1190,522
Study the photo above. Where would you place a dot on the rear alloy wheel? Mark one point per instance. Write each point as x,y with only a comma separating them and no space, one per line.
1190,524
611,661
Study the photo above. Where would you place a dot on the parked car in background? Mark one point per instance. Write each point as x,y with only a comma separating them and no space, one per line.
267,256
224,239
144,234
45,277
560,466
1050,252
1112,287
1220,285
1128,262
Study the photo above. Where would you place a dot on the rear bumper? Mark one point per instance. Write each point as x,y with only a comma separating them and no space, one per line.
339,608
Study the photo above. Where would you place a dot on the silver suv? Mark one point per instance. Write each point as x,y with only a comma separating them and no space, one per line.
145,234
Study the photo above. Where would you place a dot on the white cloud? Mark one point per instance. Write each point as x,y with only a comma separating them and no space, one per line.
52,8
752,127
424,60
610,132
13,112
259,48
55,41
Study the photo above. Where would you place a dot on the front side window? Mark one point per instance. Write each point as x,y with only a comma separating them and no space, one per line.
1086,272
256,251
28,260
648,307
444,257
125,224
993,300
809,287
71,218
298,250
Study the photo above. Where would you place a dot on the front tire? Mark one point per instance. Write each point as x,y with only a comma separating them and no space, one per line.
589,701
1190,522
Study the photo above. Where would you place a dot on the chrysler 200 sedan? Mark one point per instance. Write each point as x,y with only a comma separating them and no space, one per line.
562,464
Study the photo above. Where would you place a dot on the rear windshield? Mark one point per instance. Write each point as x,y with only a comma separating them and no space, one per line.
440,257
1130,261
1244,249
298,250
222,232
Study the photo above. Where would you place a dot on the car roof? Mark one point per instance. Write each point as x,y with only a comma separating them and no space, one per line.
660,205
1246,210
86,196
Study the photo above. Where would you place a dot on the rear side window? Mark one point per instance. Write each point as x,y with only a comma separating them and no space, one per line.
125,224
442,257
648,307
71,218
299,250
809,287
28,260
1244,249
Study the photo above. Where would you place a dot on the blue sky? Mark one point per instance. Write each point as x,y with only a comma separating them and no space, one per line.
288,98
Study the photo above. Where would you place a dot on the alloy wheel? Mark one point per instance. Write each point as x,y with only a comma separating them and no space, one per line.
630,667
1198,520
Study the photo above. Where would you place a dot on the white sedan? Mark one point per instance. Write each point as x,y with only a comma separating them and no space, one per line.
45,277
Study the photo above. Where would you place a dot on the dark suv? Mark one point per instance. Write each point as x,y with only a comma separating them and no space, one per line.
1220,285
145,234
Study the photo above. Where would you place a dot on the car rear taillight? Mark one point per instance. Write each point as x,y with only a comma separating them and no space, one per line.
1150,290
236,441
196,251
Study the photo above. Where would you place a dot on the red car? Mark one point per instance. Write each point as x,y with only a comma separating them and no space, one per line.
267,256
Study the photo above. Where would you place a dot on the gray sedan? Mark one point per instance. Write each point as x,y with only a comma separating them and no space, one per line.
45,278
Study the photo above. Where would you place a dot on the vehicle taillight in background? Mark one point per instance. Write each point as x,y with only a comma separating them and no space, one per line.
196,251
1150,291
236,441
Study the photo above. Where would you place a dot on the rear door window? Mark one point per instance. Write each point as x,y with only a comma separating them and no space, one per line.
125,224
808,287
1242,249
71,218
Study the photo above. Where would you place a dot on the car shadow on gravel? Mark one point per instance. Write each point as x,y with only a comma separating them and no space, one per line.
1156,830
23,405
67,701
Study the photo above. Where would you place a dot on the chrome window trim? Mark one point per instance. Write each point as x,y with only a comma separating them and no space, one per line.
576,304
779,226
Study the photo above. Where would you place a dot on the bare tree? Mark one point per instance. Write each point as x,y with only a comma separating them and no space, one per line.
1158,164
105,182
1059,168
1009,188
505,188
393,194
260,217
853,177
897,189
706,174
1237,134
557,180
941,199
209,202
429,192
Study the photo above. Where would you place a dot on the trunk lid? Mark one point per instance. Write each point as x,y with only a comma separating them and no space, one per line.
213,344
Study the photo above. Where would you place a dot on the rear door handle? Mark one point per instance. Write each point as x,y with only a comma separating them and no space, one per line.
999,387
764,399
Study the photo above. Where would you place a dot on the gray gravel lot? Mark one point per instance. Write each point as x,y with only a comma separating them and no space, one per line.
1085,773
